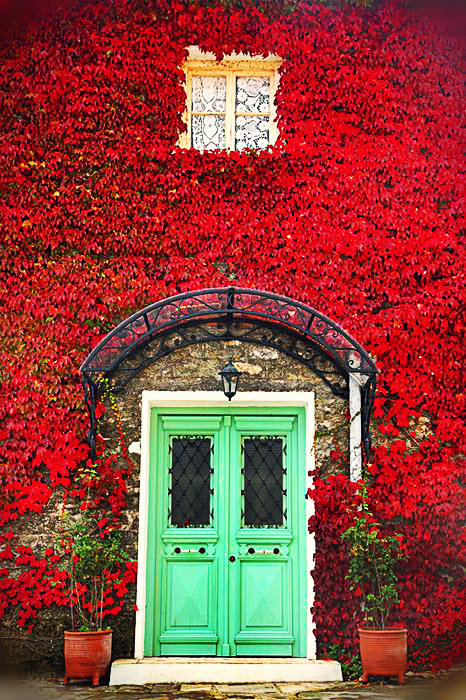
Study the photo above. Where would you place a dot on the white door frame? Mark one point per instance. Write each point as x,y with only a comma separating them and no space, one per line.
190,399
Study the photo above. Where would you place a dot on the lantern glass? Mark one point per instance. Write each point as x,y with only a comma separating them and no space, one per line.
230,379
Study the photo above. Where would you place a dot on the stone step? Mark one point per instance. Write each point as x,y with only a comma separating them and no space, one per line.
198,669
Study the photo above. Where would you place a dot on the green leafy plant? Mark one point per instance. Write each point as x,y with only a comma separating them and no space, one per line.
91,560
351,667
373,559
91,556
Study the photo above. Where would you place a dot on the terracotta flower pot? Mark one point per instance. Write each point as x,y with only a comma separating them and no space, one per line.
384,652
87,655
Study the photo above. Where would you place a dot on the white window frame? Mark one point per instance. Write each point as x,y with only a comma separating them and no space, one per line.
232,66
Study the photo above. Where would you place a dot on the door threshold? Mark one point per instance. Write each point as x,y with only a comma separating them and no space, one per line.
199,669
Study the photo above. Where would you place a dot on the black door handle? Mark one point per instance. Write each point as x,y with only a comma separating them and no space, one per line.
232,558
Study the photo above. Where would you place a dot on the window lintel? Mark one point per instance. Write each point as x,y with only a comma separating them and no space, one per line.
231,61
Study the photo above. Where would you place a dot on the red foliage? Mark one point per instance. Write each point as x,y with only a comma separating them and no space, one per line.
358,209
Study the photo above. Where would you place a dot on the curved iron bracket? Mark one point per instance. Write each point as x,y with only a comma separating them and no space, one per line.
225,314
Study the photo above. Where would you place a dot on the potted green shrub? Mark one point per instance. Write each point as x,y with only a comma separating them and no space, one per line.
90,556
373,558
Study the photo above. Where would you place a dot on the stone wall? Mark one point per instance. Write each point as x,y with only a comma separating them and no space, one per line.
196,368
189,369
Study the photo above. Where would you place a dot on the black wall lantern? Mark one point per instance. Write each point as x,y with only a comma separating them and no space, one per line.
230,379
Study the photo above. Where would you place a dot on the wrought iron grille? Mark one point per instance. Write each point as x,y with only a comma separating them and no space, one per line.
226,314
264,481
190,492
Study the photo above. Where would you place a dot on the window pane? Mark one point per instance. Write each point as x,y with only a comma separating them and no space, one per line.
252,95
208,132
252,132
209,93
190,489
263,474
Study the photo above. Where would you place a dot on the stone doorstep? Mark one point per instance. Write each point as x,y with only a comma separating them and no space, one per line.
222,670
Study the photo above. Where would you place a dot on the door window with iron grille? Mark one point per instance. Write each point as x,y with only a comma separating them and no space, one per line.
190,488
264,487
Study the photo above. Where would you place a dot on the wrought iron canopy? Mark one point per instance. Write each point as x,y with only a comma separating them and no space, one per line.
230,313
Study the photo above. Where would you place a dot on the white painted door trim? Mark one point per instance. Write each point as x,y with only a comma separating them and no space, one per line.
355,428
217,398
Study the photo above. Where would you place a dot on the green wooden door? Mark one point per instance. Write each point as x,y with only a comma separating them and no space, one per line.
226,565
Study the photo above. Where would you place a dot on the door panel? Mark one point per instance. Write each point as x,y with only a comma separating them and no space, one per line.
261,530
191,607
188,541
265,609
263,598
226,541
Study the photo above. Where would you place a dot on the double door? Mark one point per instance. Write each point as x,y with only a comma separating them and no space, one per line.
226,571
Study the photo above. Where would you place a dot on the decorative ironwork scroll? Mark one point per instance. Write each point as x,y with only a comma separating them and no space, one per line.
224,314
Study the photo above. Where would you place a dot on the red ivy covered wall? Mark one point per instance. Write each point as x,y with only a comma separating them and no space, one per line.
358,209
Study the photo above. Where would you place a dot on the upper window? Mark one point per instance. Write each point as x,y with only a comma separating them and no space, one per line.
230,104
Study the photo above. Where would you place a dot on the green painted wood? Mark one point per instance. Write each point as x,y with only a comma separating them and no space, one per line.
265,587
198,601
